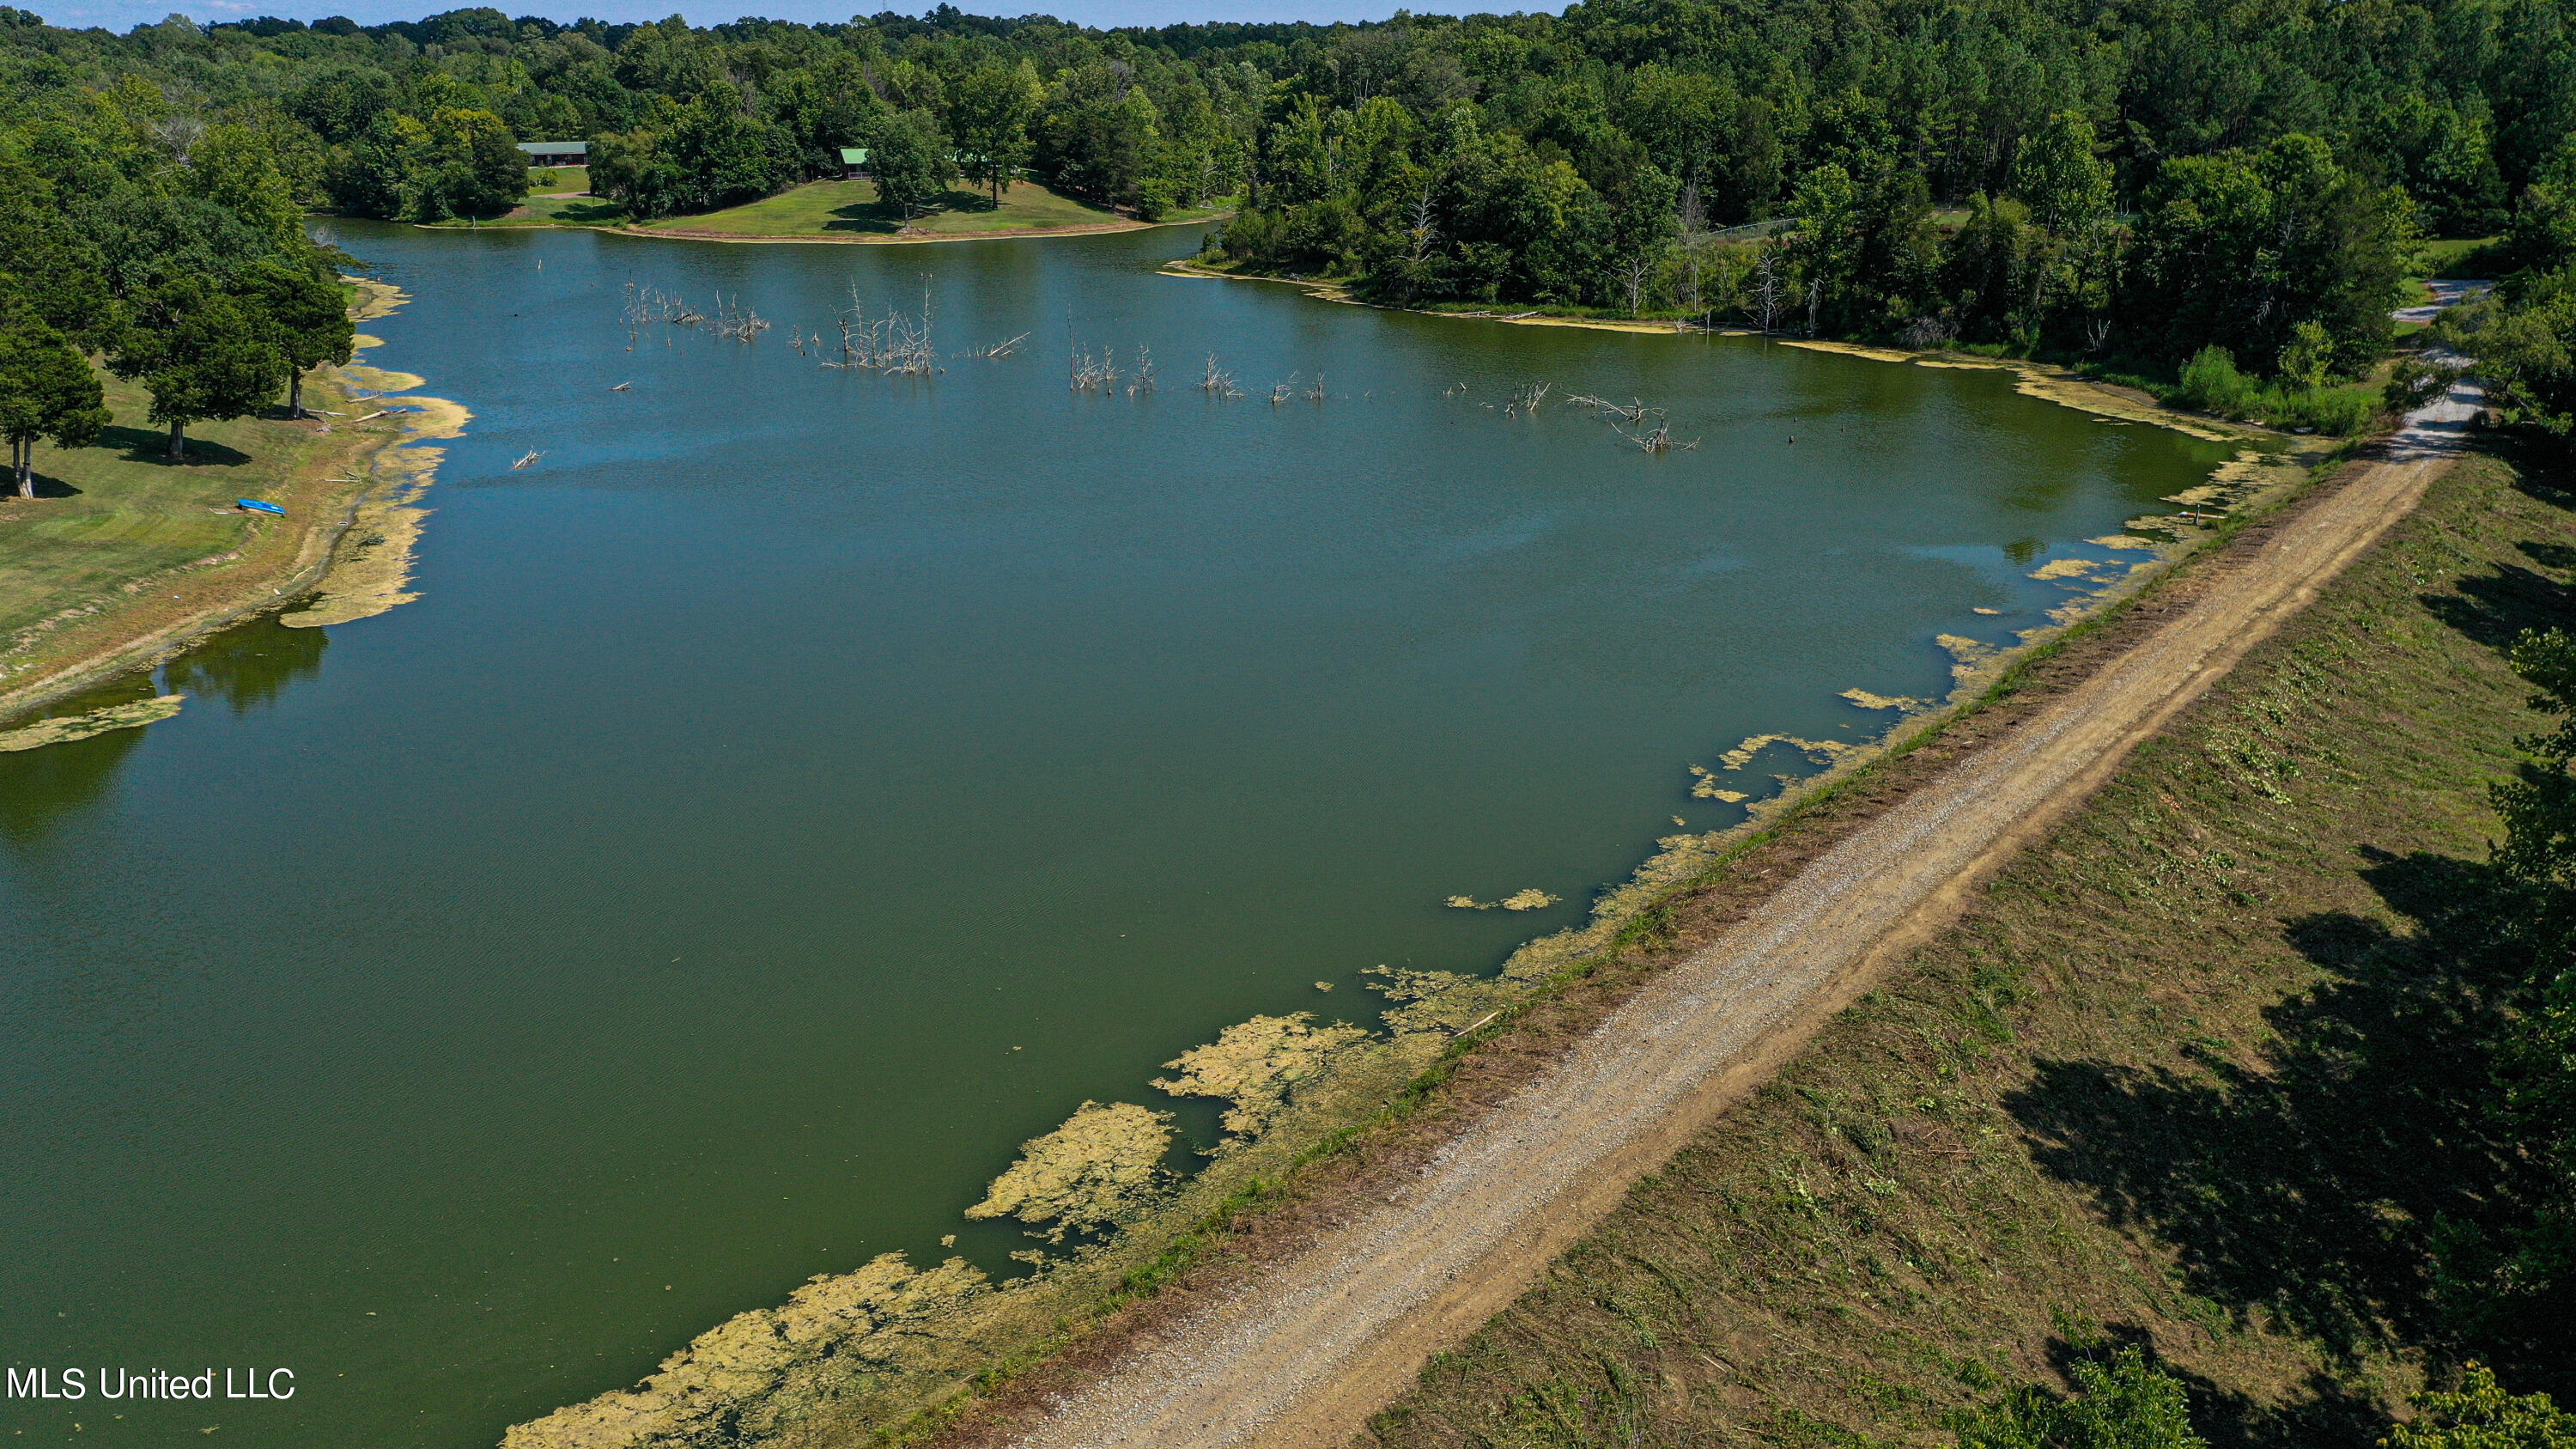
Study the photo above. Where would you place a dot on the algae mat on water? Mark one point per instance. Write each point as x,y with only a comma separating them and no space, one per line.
81,726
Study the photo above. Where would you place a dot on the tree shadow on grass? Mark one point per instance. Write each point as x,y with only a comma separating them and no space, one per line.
2326,1414
47,486
2302,1185
879,217
2494,609
2549,555
151,445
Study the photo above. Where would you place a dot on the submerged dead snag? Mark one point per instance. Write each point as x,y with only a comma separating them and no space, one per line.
894,344
1661,440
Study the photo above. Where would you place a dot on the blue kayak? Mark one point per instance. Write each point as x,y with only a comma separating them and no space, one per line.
255,506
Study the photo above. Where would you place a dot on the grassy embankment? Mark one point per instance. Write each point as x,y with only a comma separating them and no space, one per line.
123,550
848,211
2201,1073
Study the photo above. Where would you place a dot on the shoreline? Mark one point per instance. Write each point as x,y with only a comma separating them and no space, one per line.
2047,381
300,562
1106,228
931,1344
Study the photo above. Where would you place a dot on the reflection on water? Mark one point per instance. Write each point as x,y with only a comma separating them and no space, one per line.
246,666
40,790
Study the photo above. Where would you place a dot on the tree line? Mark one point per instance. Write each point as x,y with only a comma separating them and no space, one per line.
171,248
420,120
2152,183
2220,199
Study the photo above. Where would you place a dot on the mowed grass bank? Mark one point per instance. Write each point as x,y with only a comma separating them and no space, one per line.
120,543
847,211
2204,1072
850,210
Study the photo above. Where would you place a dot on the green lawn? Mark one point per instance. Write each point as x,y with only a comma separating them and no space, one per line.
838,209
558,178
107,518
2443,257
552,211
851,208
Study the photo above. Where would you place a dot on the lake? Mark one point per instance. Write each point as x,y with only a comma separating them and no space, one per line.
798,786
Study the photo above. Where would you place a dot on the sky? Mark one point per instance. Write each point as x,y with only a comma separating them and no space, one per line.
121,15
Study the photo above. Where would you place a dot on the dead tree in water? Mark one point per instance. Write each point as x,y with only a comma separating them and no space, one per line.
1218,382
1767,298
1281,392
892,345
1317,393
1661,440
1525,400
738,322
1000,349
1144,382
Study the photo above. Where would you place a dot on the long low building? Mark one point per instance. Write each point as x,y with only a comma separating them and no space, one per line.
556,153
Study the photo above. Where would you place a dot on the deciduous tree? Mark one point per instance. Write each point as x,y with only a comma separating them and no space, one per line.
989,111
306,316
203,355
908,157
47,390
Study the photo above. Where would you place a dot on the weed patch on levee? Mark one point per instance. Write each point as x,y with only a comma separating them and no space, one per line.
2208,1072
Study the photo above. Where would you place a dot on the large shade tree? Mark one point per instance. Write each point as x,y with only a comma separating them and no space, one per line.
908,157
47,390
308,322
989,112
203,354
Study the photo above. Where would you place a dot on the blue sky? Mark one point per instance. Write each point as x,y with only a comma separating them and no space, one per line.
121,15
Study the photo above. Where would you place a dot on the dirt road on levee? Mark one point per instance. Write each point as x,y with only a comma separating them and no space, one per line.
1305,1355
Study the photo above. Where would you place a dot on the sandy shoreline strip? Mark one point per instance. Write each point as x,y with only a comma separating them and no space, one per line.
2060,385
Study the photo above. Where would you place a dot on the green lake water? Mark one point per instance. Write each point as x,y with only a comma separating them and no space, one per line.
798,787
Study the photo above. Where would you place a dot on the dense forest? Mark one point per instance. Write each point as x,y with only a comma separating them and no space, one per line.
2219,196
2181,173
